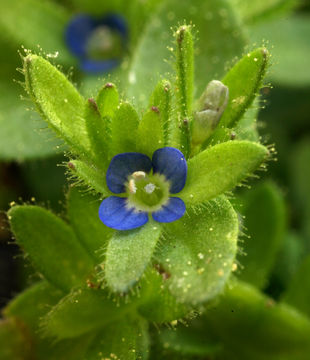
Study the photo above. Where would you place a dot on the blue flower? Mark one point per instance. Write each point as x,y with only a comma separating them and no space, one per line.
98,43
144,192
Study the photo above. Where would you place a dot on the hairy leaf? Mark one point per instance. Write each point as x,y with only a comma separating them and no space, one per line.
125,339
199,251
244,80
84,218
51,244
150,124
58,102
128,254
220,168
157,303
81,311
124,129
89,175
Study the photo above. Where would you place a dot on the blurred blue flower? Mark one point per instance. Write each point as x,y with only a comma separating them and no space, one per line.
98,43
145,192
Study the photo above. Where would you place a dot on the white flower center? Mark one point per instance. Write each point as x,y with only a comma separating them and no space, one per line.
149,188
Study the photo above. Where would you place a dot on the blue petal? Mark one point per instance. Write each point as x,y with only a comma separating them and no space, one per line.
123,165
78,32
171,163
115,22
114,213
172,211
94,66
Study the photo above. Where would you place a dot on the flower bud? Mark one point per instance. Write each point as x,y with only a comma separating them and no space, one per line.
211,105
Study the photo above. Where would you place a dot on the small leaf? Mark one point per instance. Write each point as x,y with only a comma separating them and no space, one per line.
157,303
97,129
58,102
34,302
220,168
184,89
272,331
161,99
298,292
124,129
107,100
83,216
244,81
125,339
128,254
89,175
82,311
51,245
199,251
264,211
150,124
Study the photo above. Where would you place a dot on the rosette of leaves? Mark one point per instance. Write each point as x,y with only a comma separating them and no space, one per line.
101,286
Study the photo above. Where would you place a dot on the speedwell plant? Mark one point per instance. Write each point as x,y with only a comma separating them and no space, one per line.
149,234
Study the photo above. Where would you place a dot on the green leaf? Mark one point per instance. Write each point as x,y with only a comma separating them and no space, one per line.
34,23
244,81
258,328
14,342
151,123
157,303
298,292
265,221
161,99
184,88
220,40
220,168
125,339
107,100
83,215
89,175
199,251
256,10
128,254
82,311
97,129
58,102
34,302
290,52
124,129
48,240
